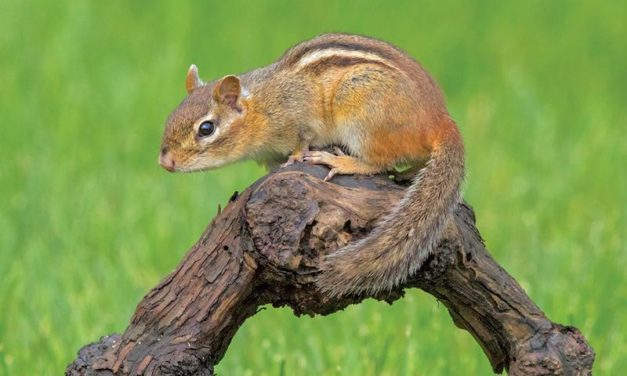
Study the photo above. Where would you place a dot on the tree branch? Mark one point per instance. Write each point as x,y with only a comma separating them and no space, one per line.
265,248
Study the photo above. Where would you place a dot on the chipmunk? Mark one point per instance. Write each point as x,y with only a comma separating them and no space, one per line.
336,89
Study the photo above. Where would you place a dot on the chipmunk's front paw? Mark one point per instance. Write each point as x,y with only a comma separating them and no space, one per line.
293,159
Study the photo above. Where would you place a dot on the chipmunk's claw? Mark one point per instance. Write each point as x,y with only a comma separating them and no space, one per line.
338,151
288,163
331,174
292,159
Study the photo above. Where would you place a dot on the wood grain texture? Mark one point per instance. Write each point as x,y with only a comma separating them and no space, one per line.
265,248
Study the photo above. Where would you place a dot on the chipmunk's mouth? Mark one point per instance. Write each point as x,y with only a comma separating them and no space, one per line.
169,163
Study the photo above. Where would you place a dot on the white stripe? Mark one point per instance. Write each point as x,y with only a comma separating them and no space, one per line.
317,55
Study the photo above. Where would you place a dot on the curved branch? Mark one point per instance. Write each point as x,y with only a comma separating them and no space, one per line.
265,248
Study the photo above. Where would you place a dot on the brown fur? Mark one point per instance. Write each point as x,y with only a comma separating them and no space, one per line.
337,89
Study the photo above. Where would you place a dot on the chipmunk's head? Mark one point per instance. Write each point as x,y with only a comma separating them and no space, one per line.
207,130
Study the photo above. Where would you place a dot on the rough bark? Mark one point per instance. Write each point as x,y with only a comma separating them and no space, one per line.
265,248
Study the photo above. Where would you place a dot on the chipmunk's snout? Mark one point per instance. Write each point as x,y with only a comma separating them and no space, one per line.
166,160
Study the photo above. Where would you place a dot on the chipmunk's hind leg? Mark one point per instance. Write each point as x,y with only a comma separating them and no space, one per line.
341,164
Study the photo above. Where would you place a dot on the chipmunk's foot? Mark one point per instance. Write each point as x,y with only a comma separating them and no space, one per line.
291,160
297,156
339,164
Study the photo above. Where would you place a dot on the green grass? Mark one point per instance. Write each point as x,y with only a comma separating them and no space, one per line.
89,222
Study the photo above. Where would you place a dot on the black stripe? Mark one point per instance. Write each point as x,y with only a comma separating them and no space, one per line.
296,54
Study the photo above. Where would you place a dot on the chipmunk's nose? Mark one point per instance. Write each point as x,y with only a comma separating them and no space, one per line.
166,161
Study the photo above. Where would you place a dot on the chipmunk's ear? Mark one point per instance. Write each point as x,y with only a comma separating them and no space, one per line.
228,91
192,81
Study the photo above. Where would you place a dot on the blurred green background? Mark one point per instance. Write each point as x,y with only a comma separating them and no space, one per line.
89,222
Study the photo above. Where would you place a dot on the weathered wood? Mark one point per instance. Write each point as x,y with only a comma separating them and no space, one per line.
265,247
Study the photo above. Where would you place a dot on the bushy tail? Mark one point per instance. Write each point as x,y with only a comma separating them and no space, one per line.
402,241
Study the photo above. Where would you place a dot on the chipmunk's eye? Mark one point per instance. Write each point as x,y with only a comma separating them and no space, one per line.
206,129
